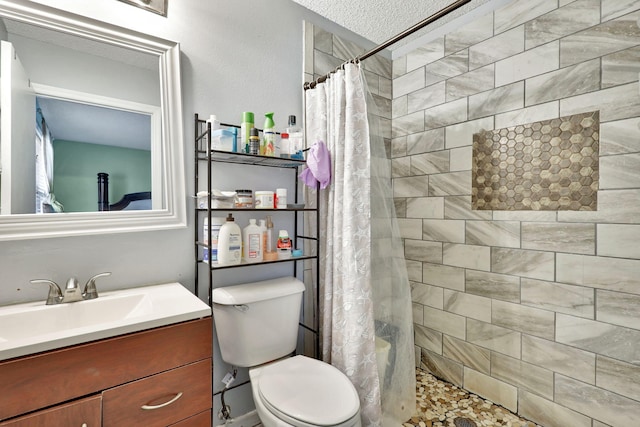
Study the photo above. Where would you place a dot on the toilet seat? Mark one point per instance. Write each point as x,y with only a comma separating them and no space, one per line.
304,391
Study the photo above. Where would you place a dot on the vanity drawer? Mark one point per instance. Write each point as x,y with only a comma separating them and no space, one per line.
203,419
81,413
161,399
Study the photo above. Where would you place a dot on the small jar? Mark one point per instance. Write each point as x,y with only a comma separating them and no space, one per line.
264,200
281,198
244,199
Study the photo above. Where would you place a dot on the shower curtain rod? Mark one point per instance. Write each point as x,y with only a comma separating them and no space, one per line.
442,12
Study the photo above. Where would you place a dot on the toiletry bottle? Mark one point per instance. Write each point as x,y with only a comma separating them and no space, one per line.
216,223
296,139
215,123
245,128
254,141
252,242
268,136
269,247
229,243
263,232
284,245
284,145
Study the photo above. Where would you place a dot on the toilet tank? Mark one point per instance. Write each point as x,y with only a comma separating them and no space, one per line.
257,322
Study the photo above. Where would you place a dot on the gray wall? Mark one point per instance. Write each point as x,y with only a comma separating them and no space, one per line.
535,310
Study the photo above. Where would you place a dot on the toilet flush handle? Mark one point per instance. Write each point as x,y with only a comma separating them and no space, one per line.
241,307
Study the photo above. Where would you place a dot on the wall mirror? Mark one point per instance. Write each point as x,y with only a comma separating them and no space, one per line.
80,97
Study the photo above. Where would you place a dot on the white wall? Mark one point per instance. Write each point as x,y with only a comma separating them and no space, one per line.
237,55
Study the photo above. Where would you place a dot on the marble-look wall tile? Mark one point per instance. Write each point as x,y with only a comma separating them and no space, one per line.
460,159
423,142
461,135
400,206
619,240
425,54
409,82
443,230
493,337
470,355
613,274
345,49
399,106
524,216
322,40
398,147
432,296
426,98
532,321
442,367
447,67
414,270
492,285
532,114
459,207
466,256
522,375
495,390
496,48
400,166
476,81
420,250
614,206
498,100
608,37
467,305
418,314
410,228
474,32
618,308
620,137
430,163
547,413
406,125
446,114
559,237
614,8
450,184
493,233
428,338
569,361
621,67
324,63
619,377
425,207
615,103
596,402
517,12
569,81
598,337
415,186
532,62
445,322
399,66
568,299
597,423
577,15
521,262
620,171
443,275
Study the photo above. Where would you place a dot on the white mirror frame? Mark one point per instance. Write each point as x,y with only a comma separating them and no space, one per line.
173,215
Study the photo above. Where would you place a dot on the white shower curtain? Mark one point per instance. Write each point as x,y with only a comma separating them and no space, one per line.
354,305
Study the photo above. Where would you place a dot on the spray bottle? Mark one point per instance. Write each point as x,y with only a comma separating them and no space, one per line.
268,146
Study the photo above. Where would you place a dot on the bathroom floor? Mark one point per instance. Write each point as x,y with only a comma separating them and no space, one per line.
440,403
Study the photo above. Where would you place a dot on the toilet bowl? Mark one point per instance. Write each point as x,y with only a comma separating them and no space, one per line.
304,392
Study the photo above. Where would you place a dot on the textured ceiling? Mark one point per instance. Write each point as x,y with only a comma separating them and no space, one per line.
380,20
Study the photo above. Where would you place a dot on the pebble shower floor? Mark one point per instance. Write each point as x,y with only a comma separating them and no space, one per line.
440,404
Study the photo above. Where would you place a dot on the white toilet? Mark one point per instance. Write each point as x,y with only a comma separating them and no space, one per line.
257,326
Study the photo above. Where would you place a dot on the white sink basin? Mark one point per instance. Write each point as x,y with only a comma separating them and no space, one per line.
34,327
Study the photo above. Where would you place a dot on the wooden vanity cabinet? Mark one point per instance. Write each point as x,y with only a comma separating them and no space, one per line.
117,376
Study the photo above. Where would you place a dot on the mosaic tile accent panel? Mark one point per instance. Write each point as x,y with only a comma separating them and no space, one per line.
547,165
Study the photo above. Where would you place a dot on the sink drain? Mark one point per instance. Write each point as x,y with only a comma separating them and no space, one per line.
464,422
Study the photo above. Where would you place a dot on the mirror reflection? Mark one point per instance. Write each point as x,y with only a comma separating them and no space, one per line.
80,125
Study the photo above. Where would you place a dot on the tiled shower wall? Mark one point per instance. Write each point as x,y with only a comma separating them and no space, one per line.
538,311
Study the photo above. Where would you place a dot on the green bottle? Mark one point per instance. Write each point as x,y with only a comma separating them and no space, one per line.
268,146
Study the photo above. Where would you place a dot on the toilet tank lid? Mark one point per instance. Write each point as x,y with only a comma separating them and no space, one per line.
247,293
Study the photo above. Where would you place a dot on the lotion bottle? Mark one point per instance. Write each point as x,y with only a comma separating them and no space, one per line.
229,243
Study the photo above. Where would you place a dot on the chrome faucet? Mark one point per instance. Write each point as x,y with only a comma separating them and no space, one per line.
71,292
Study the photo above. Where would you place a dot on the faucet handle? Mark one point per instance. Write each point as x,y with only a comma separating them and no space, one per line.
55,293
90,290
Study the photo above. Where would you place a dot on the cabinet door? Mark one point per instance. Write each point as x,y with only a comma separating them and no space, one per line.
161,399
81,413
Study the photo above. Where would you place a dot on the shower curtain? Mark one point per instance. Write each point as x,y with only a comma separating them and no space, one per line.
365,302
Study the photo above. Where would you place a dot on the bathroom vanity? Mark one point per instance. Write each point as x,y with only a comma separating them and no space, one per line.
155,377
